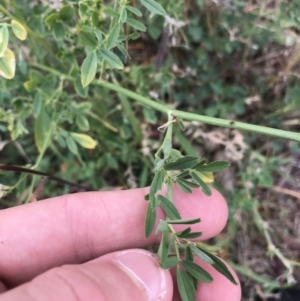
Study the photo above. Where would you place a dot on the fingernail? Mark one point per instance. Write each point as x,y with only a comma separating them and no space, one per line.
143,268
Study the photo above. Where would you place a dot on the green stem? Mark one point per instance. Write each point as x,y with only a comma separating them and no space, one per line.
185,115
250,274
201,118
272,249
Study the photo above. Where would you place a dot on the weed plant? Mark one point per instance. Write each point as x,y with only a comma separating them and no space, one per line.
218,75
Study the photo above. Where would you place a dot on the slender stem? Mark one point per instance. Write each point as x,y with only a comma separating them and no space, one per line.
250,274
159,106
272,249
205,119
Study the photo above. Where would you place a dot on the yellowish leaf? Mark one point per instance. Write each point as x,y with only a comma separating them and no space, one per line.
19,30
84,140
7,64
206,177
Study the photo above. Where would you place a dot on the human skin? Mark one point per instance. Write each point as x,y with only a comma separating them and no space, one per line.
85,246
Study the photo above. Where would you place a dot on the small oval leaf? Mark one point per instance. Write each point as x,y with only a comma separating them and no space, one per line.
196,271
111,58
42,130
185,285
203,185
182,163
213,166
4,37
150,220
154,7
88,69
7,64
19,30
170,210
113,36
136,24
188,221
134,10
84,140
220,266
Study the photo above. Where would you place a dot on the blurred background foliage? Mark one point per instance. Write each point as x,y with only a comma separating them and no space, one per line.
234,59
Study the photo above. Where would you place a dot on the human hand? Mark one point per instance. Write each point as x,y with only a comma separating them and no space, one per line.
81,247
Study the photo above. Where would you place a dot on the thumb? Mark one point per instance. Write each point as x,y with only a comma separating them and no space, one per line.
120,276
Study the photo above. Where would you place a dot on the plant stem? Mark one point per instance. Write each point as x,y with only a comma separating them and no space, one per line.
272,249
201,118
270,284
159,106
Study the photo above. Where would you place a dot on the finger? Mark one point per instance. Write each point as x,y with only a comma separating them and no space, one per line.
220,289
79,227
121,276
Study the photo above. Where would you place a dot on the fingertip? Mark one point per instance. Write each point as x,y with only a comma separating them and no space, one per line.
212,210
221,288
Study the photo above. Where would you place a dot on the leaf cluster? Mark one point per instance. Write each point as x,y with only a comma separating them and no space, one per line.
176,248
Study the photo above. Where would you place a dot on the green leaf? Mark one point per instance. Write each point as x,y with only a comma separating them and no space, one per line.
185,285
37,104
82,122
189,183
19,30
188,253
136,24
84,107
124,16
113,36
201,163
83,11
88,69
170,210
169,262
156,184
8,64
154,7
213,167
182,163
67,13
83,92
190,235
111,12
134,10
188,221
204,187
111,58
4,37
181,125
162,227
42,130
84,140
220,266
185,231
72,146
150,220
183,186
87,39
59,31
201,255
163,247
51,20
183,174
196,271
